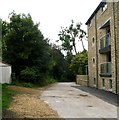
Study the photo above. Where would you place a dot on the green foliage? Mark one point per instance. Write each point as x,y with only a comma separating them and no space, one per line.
57,64
29,75
69,35
29,85
23,84
24,43
47,80
78,63
25,48
33,59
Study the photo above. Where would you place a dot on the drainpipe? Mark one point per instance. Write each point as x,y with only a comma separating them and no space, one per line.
113,12
96,50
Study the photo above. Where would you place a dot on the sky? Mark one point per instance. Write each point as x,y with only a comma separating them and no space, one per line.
52,14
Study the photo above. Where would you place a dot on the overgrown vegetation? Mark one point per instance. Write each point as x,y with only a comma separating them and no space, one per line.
69,37
79,62
76,62
34,59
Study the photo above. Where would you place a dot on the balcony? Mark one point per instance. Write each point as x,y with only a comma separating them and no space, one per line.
105,44
105,69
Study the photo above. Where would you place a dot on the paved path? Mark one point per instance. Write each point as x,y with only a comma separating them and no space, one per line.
71,102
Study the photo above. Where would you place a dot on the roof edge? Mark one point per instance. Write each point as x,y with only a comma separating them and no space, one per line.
5,63
96,10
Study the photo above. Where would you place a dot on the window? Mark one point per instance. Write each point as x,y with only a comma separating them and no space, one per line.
103,82
108,28
93,41
93,60
94,81
104,7
108,57
110,83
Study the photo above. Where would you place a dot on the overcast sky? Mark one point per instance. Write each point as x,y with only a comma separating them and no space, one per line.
52,14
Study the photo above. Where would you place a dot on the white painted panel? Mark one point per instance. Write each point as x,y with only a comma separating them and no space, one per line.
5,74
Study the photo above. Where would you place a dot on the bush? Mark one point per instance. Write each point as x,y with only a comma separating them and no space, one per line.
29,75
78,63
13,77
30,85
22,83
45,80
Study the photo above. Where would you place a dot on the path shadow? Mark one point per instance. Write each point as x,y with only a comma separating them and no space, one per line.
104,95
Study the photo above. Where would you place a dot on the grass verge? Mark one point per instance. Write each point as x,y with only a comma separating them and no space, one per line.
7,94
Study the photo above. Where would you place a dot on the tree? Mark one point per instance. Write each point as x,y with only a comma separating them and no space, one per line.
25,44
32,57
57,64
3,32
69,35
79,62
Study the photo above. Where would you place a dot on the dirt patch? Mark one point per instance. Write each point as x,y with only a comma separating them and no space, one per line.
28,105
25,90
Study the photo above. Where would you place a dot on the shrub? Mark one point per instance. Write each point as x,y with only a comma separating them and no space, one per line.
30,85
28,75
78,63
45,80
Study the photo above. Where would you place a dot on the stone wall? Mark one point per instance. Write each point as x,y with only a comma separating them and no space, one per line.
92,52
95,31
82,80
117,42
108,13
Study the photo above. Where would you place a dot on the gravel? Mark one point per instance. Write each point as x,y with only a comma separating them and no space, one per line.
27,104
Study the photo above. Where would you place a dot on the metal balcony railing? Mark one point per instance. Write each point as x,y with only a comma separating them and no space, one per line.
105,68
105,41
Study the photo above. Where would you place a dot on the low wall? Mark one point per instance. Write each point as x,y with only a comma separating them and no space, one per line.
82,80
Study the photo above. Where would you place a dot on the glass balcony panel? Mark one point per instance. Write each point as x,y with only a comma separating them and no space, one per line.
105,41
106,68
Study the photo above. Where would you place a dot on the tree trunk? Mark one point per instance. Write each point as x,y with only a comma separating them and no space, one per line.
82,44
74,47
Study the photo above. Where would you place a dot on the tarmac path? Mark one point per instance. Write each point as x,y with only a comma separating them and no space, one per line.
71,101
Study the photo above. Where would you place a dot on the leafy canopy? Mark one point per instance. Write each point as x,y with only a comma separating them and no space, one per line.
24,44
70,35
79,62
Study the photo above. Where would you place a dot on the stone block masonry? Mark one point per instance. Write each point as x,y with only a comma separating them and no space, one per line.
82,80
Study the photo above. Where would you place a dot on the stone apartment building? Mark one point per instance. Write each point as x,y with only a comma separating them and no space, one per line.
103,47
